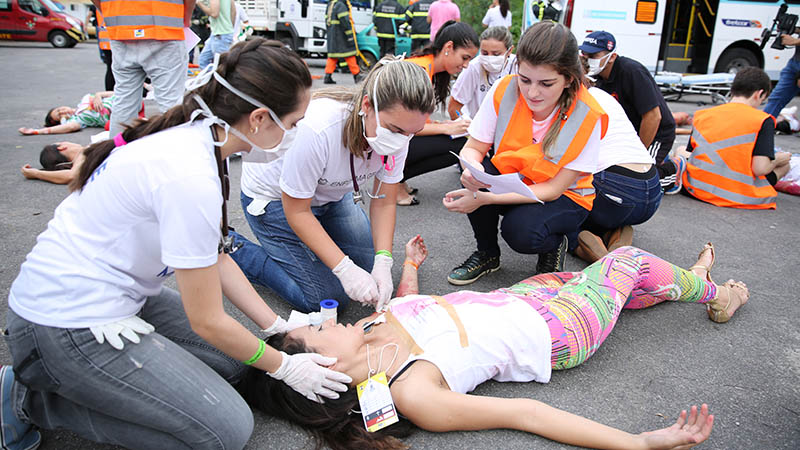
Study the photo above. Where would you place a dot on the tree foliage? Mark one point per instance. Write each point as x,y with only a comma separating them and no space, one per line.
472,12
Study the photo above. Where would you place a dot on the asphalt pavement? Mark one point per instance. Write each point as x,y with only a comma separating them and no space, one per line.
656,362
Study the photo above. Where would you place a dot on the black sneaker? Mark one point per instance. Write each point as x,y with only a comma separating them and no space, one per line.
553,261
478,264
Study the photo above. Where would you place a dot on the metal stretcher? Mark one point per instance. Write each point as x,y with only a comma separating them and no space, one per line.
674,85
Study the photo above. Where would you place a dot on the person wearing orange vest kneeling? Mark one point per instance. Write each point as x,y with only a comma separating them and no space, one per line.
733,161
545,126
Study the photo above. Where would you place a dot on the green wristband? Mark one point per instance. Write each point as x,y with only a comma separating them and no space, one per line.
259,353
384,253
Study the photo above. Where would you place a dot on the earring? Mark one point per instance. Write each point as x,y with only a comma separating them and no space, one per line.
446,53
254,131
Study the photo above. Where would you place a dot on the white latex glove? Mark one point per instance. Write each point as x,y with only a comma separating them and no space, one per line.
382,274
357,283
126,327
304,373
281,326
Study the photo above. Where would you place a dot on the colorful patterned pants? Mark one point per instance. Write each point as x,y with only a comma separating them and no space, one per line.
581,308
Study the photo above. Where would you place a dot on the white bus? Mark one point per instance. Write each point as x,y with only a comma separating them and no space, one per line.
687,36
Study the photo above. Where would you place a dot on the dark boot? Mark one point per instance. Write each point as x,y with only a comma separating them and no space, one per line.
328,79
357,78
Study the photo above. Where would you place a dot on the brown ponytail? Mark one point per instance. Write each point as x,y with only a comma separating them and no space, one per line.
262,69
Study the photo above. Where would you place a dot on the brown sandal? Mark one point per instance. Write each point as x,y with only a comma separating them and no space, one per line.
708,246
719,313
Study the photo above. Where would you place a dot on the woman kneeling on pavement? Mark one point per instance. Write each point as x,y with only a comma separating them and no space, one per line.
316,242
145,205
545,126
434,350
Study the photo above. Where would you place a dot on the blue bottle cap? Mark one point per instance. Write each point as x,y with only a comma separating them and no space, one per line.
329,304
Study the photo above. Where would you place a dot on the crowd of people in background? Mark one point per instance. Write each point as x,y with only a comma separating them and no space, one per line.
586,130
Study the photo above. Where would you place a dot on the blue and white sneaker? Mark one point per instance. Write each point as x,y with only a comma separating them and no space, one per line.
14,434
680,167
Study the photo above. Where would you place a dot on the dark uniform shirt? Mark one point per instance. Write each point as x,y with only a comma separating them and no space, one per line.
417,15
383,17
636,90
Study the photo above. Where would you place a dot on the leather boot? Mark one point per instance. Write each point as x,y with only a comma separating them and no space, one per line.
620,237
357,78
328,79
590,247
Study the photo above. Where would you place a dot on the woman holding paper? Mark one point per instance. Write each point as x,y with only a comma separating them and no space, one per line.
546,127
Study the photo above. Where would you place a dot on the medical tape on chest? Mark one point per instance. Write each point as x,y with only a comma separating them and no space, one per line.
451,311
413,348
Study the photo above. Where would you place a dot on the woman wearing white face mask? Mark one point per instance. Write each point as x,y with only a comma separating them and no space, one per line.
494,61
145,205
316,242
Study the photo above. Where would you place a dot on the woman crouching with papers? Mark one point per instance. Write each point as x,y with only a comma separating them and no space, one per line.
544,125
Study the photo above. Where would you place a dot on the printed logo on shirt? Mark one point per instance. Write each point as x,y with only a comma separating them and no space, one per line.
97,171
138,33
483,88
166,272
322,181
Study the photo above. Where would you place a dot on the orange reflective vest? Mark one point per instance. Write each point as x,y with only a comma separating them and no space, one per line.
513,137
103,40
426,62
720,169
143,19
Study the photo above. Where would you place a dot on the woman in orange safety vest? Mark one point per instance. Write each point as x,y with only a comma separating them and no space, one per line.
546,127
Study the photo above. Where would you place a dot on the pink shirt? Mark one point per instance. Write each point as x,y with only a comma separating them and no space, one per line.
440,12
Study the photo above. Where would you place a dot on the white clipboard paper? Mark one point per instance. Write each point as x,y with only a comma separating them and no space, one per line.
500,184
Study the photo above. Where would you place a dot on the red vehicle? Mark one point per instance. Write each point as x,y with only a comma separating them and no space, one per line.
38,20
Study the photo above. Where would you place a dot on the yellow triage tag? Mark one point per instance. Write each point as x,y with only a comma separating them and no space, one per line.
377,406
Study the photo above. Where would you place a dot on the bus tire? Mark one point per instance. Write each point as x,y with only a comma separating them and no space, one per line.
735,59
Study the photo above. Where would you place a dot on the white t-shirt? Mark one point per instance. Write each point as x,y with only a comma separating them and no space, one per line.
621,144
484,124
152,206
507,339
474,82
241,16
317,166
494,18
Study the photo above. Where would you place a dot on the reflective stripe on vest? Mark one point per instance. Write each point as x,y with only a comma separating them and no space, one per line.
143,19
102,33
719,167
515,151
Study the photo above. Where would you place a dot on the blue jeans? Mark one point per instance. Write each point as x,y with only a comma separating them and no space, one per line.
286,265
785,90
623,199
171,390
216,43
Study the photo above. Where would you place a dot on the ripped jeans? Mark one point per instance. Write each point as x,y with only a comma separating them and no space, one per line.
172,390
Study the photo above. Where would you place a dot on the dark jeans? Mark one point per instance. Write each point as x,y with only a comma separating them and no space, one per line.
623,197
529,227
429,153
109,73
387,46
785,90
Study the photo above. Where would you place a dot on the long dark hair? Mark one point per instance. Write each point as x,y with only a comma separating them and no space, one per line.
552,44
504,7
262,69
335,423
462,36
